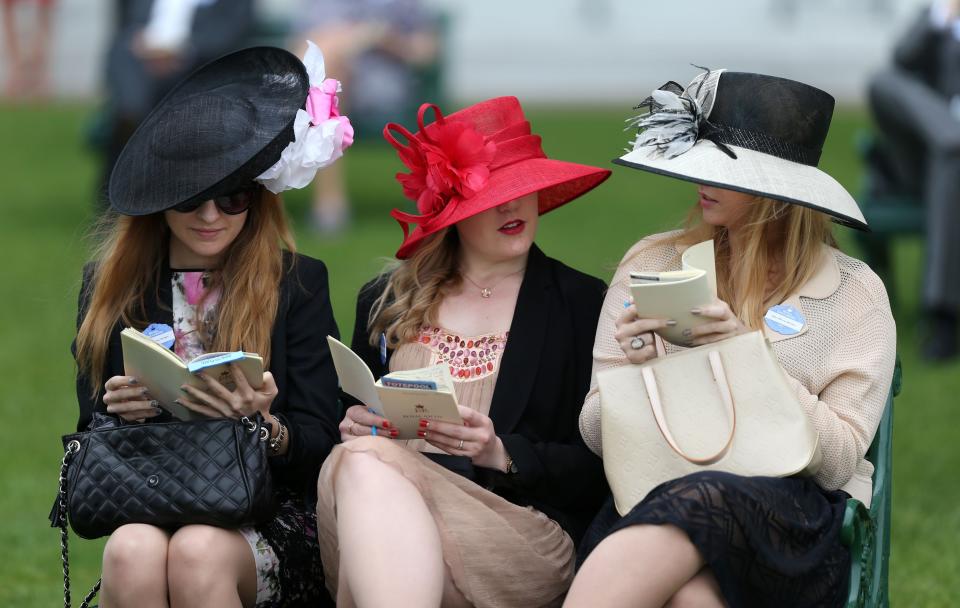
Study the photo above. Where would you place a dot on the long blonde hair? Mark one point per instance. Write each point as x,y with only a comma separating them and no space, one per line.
414,289
777,238
129,261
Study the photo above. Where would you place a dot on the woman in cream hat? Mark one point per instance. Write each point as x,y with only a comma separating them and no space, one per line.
751,143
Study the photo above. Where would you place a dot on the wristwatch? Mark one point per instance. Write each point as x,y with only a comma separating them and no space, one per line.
511,466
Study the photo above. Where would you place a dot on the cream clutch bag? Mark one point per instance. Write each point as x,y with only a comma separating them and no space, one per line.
720,407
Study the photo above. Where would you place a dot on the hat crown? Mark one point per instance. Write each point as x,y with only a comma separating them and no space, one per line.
488,117
786,111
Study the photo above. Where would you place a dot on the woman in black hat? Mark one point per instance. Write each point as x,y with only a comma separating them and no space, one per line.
200,244
752,143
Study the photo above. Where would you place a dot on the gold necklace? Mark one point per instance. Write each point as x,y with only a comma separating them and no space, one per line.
486,292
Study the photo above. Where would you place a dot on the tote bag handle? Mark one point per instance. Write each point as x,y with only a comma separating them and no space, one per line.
656,404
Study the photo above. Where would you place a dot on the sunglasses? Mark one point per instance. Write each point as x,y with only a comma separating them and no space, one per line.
234,203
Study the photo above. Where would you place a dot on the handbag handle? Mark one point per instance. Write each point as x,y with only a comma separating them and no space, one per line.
61,514
656,404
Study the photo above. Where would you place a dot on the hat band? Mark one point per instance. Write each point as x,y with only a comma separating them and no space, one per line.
758,141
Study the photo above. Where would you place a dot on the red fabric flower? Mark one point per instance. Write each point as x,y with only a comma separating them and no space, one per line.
453,162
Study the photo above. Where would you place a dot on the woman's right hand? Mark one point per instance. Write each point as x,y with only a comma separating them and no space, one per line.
359,422
126,398
630,327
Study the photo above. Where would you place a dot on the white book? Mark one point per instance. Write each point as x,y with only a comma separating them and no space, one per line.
403,397
673,294
162,372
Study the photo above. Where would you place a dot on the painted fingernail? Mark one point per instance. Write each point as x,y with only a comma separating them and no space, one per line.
695,311
671,323
394,433
155,404
144,391
424,424
184,389
132,381
422,434
157,411
687,332
177,401
386,424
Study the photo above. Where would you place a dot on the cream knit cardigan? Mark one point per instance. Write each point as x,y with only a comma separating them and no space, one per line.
840,364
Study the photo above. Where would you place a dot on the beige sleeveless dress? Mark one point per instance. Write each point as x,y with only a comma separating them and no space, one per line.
497,554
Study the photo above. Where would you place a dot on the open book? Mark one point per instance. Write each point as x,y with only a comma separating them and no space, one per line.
672,294
161,371
403,398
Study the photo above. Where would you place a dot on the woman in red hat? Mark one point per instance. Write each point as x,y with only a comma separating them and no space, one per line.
487,513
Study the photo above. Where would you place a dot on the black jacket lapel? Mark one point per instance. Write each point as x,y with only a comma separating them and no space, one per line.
527,332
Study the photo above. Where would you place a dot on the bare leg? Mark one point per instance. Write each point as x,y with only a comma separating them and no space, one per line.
702,591
39,57
390,552
14,59
637,567
210,566
135,568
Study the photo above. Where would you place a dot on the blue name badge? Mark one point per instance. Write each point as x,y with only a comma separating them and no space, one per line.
161,333
785,319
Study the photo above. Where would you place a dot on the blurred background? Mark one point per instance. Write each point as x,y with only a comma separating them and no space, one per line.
78,74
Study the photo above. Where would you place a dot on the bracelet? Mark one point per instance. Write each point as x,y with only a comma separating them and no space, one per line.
276,442
511,467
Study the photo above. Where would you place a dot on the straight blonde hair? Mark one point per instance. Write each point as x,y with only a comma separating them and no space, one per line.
130,258
415,288
777,239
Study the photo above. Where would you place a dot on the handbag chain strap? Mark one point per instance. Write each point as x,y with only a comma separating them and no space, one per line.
72,448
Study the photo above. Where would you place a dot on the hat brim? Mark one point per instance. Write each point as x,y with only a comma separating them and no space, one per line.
754,173
557,181
213,133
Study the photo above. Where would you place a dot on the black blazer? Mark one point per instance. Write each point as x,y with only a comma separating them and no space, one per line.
544,376
300,362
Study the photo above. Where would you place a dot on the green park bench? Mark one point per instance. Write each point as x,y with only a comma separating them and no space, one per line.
867,531
889,214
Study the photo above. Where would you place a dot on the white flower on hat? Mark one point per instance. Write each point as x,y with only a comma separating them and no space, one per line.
321,134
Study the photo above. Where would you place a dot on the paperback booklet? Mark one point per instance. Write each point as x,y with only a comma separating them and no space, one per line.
404,397
674,293
161,371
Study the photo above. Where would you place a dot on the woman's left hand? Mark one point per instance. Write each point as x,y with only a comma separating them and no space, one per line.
475,438
217,401
725,324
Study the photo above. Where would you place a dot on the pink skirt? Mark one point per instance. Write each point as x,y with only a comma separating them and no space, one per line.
497,554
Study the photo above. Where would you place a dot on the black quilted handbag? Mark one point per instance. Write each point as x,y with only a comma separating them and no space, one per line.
167,474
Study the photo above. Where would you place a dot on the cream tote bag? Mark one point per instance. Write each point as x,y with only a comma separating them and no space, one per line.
726,406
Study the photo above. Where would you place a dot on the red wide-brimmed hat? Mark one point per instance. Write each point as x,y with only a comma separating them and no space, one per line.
474,160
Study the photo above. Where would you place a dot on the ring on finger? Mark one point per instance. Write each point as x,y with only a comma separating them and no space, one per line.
637,343
460,445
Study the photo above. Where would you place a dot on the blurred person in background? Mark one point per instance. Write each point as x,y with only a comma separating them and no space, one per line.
28,52
916,107
155,44
377,45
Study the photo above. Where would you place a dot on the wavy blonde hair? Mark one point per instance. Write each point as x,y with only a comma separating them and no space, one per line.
130,258
777,238
414,289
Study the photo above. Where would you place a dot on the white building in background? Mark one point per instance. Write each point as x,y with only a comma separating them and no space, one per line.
582,51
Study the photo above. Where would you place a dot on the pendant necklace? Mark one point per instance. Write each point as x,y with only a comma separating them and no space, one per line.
486,292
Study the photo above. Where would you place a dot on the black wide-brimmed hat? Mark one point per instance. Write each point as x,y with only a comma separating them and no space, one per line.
214,133
752,133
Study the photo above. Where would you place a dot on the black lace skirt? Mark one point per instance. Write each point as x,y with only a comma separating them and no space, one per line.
768,541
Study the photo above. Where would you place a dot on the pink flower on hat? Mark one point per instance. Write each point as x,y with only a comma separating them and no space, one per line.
453,162
323,104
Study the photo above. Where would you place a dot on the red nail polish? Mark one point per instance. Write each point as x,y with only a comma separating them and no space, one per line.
386,424
394,432
424,424
422,434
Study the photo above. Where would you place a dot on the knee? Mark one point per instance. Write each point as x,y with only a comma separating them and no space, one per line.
360,467
196,561
135,556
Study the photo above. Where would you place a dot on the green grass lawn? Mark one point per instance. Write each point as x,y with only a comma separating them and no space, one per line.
47,192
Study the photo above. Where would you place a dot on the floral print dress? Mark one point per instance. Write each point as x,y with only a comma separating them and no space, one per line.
285,548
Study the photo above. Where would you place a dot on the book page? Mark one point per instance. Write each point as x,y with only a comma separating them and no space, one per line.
701,257
356,379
